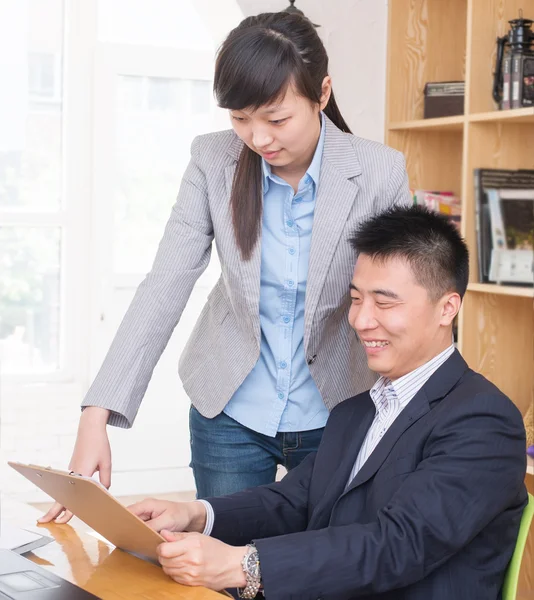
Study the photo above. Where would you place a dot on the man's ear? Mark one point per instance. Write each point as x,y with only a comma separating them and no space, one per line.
450,306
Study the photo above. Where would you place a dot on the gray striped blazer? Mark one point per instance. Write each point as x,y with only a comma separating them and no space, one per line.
358,179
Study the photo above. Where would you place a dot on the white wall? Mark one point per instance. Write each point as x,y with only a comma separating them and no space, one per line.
38,423
354,33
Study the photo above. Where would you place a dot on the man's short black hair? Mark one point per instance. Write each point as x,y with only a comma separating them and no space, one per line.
429,241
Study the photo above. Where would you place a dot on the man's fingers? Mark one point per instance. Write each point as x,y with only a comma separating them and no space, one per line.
52,514
160,523
174,547
141,510
169,536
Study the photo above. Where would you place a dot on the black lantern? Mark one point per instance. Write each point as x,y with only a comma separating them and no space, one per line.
513,83
296,11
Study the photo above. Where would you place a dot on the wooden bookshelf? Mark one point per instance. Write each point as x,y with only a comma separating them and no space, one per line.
434,40
448,40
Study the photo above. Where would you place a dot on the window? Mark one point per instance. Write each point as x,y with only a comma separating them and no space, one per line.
43,76
31,194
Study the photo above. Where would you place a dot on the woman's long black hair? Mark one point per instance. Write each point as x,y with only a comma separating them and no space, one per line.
255,65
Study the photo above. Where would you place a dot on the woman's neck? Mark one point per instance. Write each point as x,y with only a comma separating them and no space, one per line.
295,171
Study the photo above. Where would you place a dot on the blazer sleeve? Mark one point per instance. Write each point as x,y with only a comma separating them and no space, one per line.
397,192
473,471
271,510
183,254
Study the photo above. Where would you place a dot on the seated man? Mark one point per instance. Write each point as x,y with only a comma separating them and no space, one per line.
417,489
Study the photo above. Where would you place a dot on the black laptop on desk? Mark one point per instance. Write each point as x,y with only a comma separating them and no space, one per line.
21,579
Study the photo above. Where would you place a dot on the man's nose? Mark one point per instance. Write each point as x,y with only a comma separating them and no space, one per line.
363,318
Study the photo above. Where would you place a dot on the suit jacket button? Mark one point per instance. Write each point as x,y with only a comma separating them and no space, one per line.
311,359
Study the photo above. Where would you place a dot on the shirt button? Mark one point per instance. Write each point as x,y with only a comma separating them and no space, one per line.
289,223
280,395
291,251
286,319
283,364
290,283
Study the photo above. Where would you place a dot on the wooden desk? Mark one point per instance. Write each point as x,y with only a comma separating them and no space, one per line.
114,575
95,566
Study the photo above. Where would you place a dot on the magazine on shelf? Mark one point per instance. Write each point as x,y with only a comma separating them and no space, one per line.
511,214
484,180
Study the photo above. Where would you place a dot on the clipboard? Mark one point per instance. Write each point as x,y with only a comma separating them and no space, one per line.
96,507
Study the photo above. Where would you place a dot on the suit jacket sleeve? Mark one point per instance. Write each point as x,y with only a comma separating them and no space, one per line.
271,510
183,254
473,469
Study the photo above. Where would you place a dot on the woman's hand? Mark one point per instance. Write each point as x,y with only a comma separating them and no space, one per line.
172,516
92,453
195,559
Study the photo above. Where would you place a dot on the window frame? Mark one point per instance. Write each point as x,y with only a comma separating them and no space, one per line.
72,217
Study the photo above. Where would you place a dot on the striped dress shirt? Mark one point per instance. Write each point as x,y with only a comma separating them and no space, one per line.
390,398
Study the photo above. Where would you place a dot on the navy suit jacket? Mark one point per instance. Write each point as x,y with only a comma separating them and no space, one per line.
432,515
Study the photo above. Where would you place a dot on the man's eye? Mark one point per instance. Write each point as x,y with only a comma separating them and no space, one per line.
277,121
237,118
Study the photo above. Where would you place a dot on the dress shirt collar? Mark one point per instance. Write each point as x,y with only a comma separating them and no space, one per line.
384,392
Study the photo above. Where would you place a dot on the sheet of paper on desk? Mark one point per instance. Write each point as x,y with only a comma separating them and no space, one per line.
20,540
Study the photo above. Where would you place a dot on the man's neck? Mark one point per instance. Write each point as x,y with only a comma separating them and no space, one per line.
442,347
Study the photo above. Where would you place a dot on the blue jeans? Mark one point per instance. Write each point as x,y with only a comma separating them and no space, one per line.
227,457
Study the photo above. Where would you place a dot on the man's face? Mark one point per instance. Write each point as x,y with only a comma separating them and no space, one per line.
398,324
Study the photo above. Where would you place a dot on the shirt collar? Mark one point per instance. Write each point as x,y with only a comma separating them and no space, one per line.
404,388
314,170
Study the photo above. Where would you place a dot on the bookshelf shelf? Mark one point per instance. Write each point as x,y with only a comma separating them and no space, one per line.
433,40
517,115
441,124
505,290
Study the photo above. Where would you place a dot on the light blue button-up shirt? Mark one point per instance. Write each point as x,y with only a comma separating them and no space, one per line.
279,394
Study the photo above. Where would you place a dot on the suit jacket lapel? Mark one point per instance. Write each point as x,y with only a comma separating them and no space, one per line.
438,386
417,407
336,193
356,428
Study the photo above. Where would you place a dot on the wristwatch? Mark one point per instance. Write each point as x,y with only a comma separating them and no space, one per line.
251,568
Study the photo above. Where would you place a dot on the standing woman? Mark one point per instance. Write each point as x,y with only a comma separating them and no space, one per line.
280,193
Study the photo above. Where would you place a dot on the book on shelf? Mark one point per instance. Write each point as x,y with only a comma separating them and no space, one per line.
443,99
504,221
444,202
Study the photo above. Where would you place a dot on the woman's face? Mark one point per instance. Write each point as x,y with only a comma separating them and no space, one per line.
285,134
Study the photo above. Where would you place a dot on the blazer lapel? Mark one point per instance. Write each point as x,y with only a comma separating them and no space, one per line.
354,434
439,385
417,407
336,193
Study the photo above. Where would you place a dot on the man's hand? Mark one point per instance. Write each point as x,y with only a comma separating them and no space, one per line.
172,516
91,453
195,559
